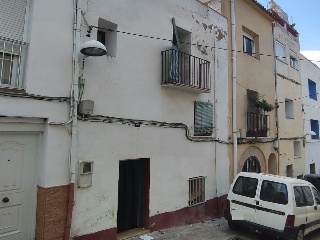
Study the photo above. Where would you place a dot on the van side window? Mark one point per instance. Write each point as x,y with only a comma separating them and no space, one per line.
298,195
274,192
245,186
303,196
308,195
316,195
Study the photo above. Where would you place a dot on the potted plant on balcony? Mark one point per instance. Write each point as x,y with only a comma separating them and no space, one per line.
260,103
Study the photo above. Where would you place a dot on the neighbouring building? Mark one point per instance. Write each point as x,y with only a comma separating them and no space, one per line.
252,87
310,79
35,81
290,132
94,146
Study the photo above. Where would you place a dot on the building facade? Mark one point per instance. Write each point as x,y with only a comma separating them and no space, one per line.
290,132
310,78
252,84
158,131
36,76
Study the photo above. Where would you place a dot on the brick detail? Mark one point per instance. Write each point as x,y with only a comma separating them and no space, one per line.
52,208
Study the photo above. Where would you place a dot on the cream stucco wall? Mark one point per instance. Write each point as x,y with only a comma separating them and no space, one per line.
289,87
254,73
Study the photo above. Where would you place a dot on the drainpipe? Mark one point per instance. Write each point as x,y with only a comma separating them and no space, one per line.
234,88
276,95
73,112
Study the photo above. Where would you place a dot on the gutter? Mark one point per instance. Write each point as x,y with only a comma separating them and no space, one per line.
234,88
74,112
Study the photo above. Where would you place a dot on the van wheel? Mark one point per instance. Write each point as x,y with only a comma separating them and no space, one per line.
300,235
232,225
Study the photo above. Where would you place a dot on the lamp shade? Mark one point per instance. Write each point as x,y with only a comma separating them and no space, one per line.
93,48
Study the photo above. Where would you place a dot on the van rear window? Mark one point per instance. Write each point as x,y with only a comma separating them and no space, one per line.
274,192
245,186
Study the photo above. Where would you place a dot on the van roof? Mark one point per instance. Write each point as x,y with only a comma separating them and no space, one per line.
273,177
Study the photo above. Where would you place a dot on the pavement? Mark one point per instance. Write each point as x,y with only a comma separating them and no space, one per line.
216,229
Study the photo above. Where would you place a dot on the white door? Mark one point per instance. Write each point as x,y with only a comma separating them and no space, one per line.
17,186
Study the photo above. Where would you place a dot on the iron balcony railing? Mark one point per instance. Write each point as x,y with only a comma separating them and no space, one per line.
257,125
184,70
12,54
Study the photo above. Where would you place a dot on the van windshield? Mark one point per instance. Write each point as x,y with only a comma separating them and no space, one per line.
274,192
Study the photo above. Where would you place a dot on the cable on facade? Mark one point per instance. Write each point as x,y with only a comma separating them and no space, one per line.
149,123
187,43
37,97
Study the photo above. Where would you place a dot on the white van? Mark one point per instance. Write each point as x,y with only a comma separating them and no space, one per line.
273,205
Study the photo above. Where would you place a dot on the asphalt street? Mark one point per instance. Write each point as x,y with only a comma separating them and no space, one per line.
217,229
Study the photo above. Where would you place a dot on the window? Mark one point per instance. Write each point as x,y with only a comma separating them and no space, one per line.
316,195
249,45
298,195
289,108
280,51
293,59
107,35
315,128
274,192
196,191
251,165
203,118
312,89
297,148
12,42
245,186
312,168
289,170
308,196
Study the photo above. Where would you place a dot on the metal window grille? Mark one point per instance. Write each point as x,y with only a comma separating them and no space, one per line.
196,190
12,54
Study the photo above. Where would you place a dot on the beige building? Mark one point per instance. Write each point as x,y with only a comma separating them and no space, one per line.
288,94
252,84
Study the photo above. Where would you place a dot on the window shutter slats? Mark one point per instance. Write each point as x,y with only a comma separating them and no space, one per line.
12,18
203,119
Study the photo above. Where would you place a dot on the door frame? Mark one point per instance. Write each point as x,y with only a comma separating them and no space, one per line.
27,126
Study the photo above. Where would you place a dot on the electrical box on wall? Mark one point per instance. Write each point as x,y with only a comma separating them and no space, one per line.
85,174
86,107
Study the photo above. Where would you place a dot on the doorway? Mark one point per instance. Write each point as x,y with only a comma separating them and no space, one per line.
17,185
133,194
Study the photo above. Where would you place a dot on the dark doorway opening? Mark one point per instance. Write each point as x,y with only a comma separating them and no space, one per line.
133,194
251,165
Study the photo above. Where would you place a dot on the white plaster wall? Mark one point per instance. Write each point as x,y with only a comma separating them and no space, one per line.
311,111
129,86
48,73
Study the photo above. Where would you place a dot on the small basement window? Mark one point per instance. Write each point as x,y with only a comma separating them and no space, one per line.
196,190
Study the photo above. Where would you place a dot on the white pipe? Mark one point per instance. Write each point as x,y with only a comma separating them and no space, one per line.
234,88
73,112
75,88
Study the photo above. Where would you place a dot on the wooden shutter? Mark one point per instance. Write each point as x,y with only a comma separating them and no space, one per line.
12,18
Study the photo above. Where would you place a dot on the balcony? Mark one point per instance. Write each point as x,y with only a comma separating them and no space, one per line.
12,54
257,125
182,70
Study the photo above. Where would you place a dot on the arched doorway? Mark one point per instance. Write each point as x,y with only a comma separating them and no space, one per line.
251,165
253,155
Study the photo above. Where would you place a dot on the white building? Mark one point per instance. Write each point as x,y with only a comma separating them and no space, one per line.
310,77
148,150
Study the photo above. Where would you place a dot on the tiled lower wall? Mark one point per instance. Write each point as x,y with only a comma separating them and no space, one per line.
52,208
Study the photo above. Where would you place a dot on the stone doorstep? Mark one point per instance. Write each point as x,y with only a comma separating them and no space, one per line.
132,233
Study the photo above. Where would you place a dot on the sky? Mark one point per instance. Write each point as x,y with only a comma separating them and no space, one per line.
306,15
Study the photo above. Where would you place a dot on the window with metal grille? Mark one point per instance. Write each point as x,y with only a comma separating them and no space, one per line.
251,165
203,118
12,42
196,190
